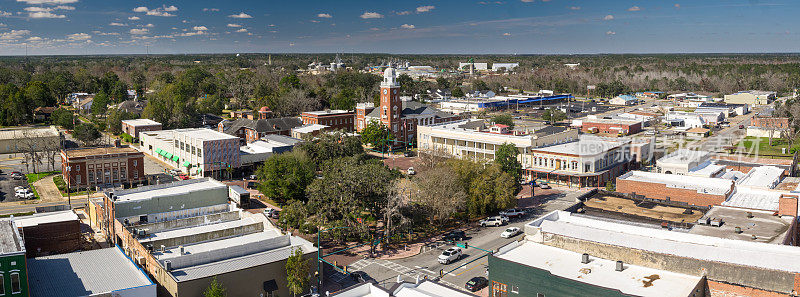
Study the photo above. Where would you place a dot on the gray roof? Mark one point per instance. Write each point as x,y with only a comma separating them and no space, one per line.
277,138
264,125
10,242
84,273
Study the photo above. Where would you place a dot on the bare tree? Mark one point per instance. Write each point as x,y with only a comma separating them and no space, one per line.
440,192
400,195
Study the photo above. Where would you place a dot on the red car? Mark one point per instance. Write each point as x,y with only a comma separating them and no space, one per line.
183,176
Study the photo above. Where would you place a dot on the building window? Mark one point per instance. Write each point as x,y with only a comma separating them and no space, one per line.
78,179
134,163
2,285
122,173
136,175
78,167
539,295
90,176
16,287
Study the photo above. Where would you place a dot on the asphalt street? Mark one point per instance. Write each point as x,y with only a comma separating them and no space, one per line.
425,263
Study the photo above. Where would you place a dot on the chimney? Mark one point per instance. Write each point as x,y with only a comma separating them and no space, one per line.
585,258
168,265
620,266
181,249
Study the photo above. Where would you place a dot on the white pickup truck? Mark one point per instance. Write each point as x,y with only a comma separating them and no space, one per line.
512,213
450,255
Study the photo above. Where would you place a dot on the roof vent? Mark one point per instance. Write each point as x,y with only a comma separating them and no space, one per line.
181,249
620,266
585,258
168,265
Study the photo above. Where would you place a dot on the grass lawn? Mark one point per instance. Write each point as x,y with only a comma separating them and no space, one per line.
62,186
760,146
33,177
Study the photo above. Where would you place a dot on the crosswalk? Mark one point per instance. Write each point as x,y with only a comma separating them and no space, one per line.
400,269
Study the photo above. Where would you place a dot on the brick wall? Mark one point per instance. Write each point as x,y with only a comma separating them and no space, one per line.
607,127
787,205
770,122
661,191
718,289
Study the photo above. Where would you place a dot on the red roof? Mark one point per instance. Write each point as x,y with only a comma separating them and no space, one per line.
264,109
501,125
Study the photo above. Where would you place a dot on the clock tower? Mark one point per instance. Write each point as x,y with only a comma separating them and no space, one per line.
391,107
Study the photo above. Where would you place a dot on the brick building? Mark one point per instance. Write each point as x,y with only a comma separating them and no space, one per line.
335,119
50,233
770,122
611,126
134,127
700,191
252,130
401,117
102,166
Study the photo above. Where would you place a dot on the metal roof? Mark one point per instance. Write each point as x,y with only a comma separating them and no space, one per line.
84,273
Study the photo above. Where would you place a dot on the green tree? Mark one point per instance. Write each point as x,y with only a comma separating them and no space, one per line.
377,135
115,118
553,115
442,83
457,92
39,94
506,158
214,289
284,177
86,133
493,191
100,103
610,186
297,270
64,118
329,146
345,100
290,81
503,119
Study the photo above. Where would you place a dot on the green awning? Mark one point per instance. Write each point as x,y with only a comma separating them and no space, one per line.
168,155
158,151
186,164
175,158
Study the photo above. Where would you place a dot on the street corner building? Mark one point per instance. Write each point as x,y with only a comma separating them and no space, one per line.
102,167
187,233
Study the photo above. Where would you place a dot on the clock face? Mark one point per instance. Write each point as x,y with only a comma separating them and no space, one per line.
385,91
394,91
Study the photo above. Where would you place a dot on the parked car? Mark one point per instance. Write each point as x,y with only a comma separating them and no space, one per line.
476,283
360,276
252,177
17,175
275,214
510,232
18,188
174,171
24,194
450,255
741,126
512,213
492,221
411,171
544,186
455,235
268,212
183,176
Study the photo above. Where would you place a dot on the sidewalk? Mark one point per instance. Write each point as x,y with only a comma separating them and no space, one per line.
47,190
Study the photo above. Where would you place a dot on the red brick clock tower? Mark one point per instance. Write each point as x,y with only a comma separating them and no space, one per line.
391,106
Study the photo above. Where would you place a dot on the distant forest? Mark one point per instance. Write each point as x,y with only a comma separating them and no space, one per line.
179,87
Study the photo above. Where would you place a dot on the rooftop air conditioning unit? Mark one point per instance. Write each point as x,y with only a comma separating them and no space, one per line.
168,265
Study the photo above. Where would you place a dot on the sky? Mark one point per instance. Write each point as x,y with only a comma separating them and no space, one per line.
67,27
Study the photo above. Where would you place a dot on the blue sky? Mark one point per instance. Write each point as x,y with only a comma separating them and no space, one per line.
463,26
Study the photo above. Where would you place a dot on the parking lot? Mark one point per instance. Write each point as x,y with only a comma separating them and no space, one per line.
7,185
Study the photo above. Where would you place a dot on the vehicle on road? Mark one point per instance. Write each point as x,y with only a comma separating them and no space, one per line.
411,171
183,176
476,283
492,221
360,276
741,126
544,186
269,212
512,213
252,177
24,194
454,235
17,175
450,255
510,232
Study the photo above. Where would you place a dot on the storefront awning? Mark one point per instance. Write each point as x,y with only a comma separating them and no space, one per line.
186,164
158,151
175,158
168,155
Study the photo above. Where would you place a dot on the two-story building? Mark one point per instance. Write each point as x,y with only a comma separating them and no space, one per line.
102,167
334,119
197,151
134,127
252,130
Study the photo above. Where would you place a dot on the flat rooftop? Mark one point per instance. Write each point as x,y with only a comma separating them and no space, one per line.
179,187
327,112
701,247
585,146
217,245
10,240
309,128
653,212
762,176
750,198
44,218
177,233
684,156
100,151
633,280
703,185
706,169
141,122
195,133
619,121
84,273
766,227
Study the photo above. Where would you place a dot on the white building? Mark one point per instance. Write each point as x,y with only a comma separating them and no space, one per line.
507,66
196,151
682,161
684,119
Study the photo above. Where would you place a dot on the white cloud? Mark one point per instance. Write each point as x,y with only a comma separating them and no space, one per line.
404,12
65,7
117,24
314,21
105,33
134,18
45,15
2,25
241,15
527,1
506,34
634,8
608,17
162,11
234,26
14,34
140,9
200,28
171,8
371,15
4,13
36,8
407,26
34,39
242,30
425,8
210,9
79,37
139,31
611,33
195,33
49,2
149,25
324,15
575,8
